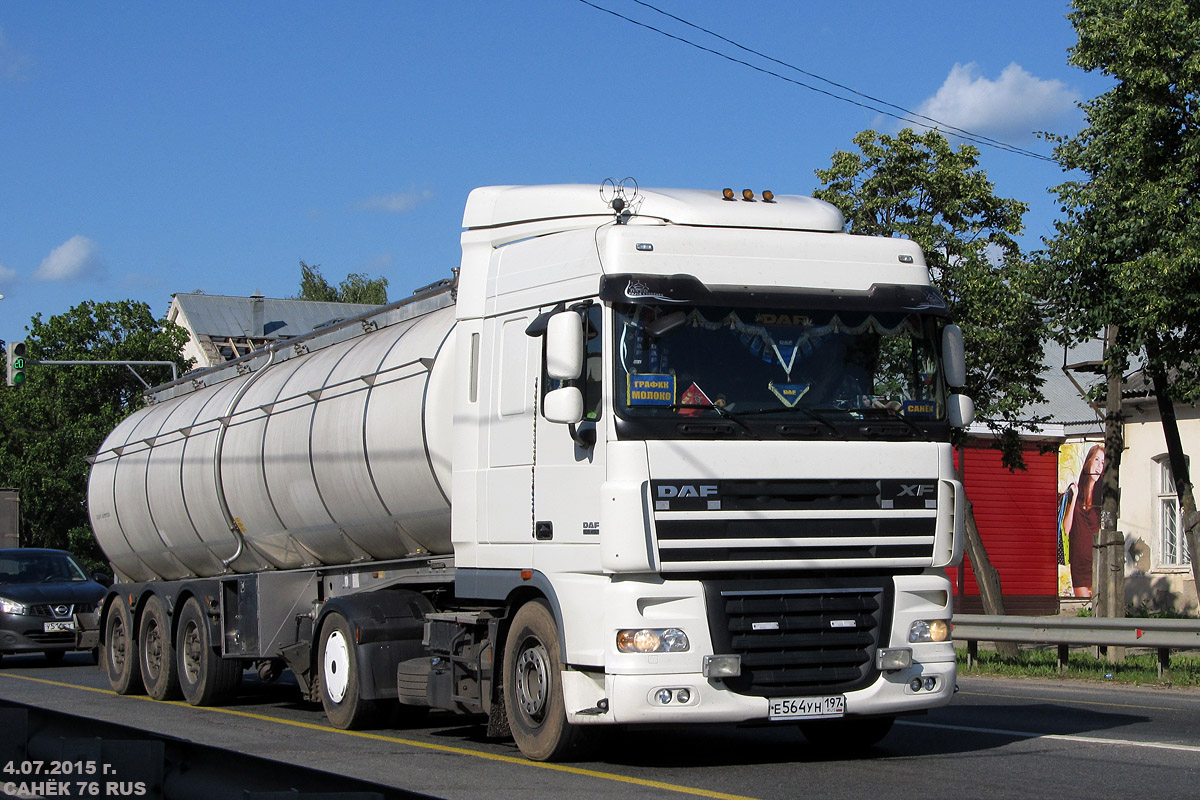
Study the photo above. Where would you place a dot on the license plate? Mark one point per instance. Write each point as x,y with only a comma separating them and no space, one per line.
807,707
58,627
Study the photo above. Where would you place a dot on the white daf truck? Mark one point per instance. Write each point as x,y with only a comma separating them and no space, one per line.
650,456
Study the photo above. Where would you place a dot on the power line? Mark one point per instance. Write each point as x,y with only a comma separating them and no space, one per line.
906,115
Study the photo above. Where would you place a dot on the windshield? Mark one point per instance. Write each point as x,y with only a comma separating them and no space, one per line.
687,361
17,567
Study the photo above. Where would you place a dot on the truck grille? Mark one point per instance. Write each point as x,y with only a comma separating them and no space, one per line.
798,524
800,637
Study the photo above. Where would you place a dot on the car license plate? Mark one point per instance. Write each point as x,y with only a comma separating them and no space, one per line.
807,707
58,627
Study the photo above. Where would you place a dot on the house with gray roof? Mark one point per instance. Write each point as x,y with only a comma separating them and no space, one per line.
223,328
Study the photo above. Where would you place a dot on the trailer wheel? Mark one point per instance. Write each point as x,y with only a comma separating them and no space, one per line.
120,650
337,662
533,696
156,651
205,678
847,733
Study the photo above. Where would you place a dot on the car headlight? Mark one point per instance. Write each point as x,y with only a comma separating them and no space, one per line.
12,607
652,640
929,630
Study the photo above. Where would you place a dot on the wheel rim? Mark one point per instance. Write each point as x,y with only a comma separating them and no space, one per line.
118,645
154,651
533,680
336,673
191,652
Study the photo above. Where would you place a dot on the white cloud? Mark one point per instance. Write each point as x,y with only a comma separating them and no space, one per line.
7,275
397,203
14,64
1012,107
74,259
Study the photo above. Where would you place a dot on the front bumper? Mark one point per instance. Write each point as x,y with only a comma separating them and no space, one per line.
632,699
26,633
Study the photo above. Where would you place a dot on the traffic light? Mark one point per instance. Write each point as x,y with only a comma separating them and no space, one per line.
16,364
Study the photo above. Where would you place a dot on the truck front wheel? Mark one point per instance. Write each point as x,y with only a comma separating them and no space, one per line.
533,696
337,661
205,678
120,650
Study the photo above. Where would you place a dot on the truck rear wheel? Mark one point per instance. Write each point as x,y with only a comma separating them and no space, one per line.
533,696
341,693
156,652
205,678
120,650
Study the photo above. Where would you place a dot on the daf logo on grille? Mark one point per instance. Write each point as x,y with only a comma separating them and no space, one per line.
842,623
686,490
61,611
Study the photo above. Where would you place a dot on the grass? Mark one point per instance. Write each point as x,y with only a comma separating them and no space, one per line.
1139,668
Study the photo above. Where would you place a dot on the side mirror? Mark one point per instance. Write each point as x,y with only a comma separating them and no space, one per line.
960,410
564,405
564,347
954,356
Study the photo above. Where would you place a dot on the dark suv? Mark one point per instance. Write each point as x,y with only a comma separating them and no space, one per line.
40,591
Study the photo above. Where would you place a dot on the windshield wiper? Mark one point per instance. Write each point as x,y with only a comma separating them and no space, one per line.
893,414
722,412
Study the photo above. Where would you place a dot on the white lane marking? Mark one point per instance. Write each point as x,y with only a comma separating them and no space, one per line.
1066,737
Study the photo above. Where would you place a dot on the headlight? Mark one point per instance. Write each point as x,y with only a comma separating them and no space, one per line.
652,640
929,630
12,607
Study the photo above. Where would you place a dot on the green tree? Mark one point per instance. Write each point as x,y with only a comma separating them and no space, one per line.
60,416
1126,254
918,186
356,288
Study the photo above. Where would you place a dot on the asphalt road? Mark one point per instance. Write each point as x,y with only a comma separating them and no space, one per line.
1000,738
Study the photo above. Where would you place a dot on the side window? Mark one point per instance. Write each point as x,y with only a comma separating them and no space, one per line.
1174,550
592,381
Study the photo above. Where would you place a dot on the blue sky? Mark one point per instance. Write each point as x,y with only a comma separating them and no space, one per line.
151,148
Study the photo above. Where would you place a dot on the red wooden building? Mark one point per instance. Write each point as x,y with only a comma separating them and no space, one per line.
1017,515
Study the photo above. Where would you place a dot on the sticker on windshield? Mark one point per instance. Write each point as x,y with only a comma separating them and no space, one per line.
920,409
788,393
651,390
694,400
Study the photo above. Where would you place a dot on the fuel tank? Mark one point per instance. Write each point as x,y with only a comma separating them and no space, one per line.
335,456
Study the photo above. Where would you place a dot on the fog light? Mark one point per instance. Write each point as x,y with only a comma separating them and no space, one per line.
663,696
683,695
915,684
929,630
722,666
893,658
930,683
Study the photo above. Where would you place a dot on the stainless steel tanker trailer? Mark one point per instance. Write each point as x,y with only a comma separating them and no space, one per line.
658,456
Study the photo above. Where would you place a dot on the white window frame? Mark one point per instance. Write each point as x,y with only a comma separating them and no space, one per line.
1172,542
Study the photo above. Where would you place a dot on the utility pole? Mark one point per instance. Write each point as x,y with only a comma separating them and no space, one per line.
1109,573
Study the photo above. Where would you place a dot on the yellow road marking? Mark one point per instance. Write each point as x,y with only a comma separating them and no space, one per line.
441,748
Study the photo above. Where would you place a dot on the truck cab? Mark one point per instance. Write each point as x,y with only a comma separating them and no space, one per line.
708,436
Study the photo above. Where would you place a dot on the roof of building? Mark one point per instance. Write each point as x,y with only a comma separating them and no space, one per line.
223,316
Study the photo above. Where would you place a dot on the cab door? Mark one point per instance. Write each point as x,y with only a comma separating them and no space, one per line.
569,464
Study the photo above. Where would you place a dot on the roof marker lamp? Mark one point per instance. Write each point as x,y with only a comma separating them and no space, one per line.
727,193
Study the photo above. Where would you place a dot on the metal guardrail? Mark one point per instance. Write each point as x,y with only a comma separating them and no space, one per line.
1162,635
